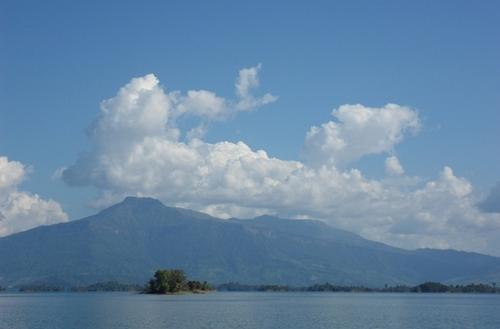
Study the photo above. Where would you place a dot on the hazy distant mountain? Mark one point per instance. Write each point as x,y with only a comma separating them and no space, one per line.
130,240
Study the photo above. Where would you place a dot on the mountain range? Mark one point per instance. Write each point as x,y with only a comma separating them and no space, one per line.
130,240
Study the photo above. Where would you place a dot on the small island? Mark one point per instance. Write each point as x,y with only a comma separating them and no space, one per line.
174,281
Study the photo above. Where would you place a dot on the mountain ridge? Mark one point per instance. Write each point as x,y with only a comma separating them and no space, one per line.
129,240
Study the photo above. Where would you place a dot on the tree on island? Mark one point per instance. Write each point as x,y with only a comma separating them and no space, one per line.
431,287
171,281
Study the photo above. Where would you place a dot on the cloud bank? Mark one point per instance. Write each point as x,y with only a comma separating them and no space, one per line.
358,131
138,149
21,210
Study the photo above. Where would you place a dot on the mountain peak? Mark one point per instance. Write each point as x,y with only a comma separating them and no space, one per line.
132,203
142,206
135,200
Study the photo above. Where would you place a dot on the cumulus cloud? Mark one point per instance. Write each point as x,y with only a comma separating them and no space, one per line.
11,173
393,167
20,210
208,106
202,103
357,131
137,151
248,80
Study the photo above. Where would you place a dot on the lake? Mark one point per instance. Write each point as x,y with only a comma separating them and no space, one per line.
222,310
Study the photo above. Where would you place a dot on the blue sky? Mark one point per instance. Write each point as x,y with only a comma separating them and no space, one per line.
59,60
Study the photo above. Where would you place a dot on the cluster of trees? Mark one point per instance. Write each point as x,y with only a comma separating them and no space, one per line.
100,286
437,287
333,288
171,281
470,288
427,287
109,286
42,287
234,286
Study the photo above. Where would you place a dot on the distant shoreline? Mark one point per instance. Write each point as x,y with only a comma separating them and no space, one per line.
111,286
426,287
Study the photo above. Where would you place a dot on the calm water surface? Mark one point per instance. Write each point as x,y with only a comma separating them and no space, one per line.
248,310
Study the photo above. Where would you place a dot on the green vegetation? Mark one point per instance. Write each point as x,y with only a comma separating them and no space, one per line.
427,287
41,288
470,288
235,286
172,281
109,286
327,287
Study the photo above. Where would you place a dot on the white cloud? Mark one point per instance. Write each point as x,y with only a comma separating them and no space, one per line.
136,151
358,131
203,103
248,80
393,167
209,107
197,132
20,210
11,173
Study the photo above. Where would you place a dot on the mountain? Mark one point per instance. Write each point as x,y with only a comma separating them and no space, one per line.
130,240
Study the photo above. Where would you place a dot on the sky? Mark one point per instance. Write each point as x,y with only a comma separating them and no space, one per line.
377,117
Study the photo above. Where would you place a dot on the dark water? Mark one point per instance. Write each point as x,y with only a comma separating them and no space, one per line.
248,310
